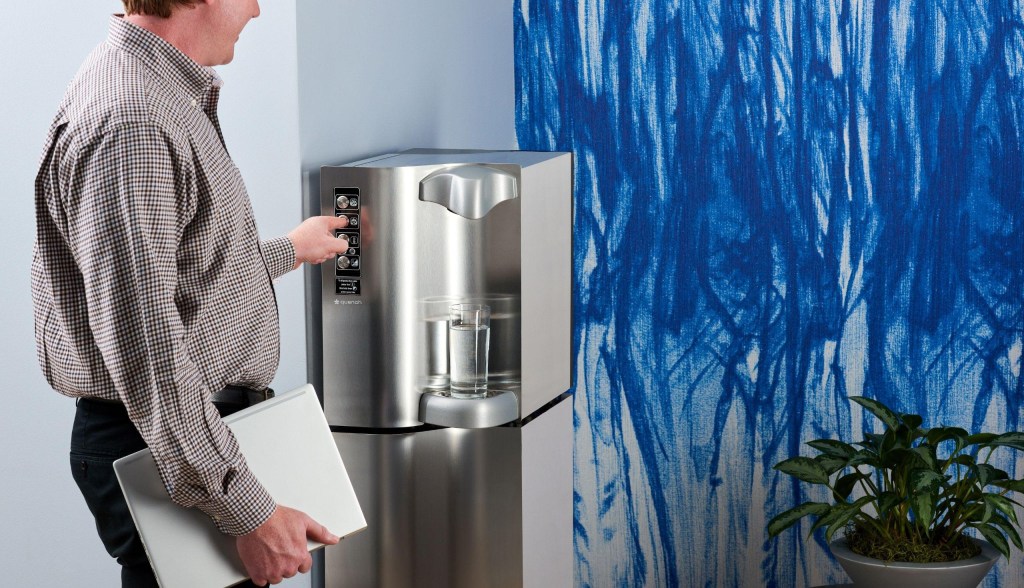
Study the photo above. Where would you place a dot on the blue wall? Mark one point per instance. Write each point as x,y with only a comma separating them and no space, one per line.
779,204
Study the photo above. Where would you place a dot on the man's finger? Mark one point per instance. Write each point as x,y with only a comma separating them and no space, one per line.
318,532
306,565
339,222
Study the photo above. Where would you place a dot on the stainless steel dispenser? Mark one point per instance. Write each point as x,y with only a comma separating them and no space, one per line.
457,492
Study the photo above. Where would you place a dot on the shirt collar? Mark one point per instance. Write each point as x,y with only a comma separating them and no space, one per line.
163,58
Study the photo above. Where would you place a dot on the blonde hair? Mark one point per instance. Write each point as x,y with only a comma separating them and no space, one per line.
152,7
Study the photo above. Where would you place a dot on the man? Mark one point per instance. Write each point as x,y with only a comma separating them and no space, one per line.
153,294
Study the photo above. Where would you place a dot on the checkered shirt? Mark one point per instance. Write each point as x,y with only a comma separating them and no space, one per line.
150,284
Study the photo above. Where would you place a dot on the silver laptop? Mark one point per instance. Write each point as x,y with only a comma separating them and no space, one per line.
288,446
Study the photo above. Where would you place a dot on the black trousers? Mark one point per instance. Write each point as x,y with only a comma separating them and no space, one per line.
103,433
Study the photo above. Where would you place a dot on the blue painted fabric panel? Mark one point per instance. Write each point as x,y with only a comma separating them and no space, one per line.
779,204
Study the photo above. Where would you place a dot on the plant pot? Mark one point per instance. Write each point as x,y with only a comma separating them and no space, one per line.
874,573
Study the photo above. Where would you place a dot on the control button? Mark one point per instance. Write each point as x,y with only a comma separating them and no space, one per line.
351,250
344,262
346,219
342,201
345,237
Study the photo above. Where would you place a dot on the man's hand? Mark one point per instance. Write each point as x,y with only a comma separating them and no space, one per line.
314,239
277,548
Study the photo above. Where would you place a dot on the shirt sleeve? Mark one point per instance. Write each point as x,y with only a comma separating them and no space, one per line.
127,204
279,253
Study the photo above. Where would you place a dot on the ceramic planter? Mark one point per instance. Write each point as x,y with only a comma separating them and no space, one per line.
873,573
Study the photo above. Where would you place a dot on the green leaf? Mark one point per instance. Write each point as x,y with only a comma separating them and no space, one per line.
912,421
942,434
886,502
841,521
878,409
985,510
964,460
872,441
995,537
804,468
921,479
906,435
923,506
980,438
865,457
831,464
791,516
833,448
891,441
986,514
905,458
1002,504
1011,485
927,455
844,486
837,511
979,511
1010,529
1011,440
988,474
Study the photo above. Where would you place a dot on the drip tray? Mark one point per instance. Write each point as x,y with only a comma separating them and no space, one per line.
499,406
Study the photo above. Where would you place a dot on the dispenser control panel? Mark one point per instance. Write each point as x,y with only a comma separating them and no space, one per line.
347,267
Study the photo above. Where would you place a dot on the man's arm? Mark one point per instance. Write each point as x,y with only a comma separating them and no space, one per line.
312,241
126,206
279,253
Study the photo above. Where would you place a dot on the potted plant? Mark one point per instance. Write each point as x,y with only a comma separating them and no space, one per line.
904,499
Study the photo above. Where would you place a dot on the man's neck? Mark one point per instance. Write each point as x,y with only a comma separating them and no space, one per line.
175,30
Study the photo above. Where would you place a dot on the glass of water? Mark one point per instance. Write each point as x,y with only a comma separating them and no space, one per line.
469,336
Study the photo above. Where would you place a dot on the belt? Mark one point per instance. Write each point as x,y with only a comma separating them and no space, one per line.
229,395
241,395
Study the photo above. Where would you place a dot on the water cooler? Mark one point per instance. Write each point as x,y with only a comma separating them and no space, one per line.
456,492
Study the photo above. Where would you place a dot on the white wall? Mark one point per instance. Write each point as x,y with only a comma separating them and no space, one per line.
358,78
47,538
395,74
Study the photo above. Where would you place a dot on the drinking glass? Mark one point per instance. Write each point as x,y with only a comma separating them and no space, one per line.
469,336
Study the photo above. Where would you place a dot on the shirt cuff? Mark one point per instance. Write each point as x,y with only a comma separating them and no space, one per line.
244,506
279,253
